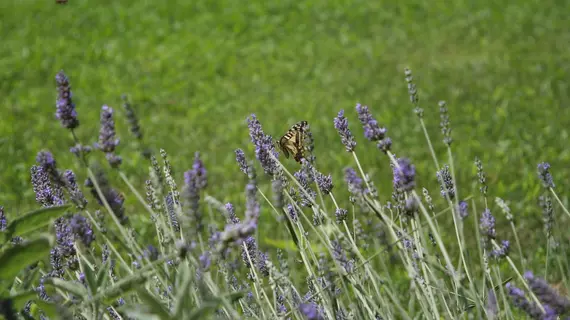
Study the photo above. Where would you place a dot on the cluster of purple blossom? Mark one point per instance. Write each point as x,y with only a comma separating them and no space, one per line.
553,304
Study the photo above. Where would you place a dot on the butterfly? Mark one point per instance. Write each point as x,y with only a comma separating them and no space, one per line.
292,141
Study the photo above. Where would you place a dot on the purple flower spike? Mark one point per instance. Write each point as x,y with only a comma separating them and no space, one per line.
240,158
151,252
292,212
171,210
251,247
385,144
74,191
487,224
404,175
65,107
251,205
546,294
46,160
502,252
341,125
195,180
46,195
113,159
64,237
264,146
324,182
232,218
544,175
463,210
530,308
446,182
82,230
107,141
354,182
205,260
310,310
192,199
200,173
341,215
372,130
3,220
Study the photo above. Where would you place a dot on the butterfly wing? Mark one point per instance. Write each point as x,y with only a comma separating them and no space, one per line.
292,141
283,146
299,147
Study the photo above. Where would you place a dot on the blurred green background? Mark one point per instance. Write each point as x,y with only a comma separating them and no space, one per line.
195,70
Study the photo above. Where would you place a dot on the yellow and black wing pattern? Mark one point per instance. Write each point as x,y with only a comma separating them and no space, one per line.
292,141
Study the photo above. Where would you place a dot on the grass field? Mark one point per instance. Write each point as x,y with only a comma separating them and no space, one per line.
194,71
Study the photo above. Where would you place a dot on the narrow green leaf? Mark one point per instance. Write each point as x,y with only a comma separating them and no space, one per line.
30,278
140,312
49,309
20,299
89,276
287,245
204,309
234,296
182,288
121,287
34,220
153,304
15,258
213,303
291,230
78,290
103,275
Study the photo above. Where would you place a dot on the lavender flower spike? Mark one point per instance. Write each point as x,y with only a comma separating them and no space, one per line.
81,229
502,252
232,218
242,162
107,140
530,308
487,224
310,310
191,194
544,175
74,191
65,107
341,215
354,182
341,125
251,205
324,183
46,195
372,130
463,210
46,160
446,182
200,173
404,175
3,220
264,146
546,294
195,179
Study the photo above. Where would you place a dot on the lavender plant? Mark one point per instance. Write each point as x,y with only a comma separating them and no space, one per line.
349,249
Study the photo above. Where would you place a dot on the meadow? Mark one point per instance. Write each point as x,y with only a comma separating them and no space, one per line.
460,214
